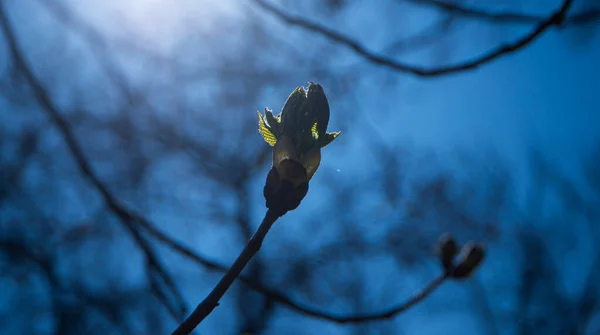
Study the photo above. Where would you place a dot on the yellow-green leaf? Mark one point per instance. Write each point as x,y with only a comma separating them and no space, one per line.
265,131
313,130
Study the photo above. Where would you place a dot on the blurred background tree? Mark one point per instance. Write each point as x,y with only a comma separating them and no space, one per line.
132,169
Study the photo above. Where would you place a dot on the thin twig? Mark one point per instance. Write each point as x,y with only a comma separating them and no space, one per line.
212,300
554,19
505,16
288,302
384,314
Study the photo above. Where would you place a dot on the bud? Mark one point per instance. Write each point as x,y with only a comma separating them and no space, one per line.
297,135
471,257
447,250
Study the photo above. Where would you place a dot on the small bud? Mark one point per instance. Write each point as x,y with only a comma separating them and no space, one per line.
472,256
447,250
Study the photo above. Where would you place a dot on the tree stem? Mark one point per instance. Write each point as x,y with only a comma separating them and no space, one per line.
212,300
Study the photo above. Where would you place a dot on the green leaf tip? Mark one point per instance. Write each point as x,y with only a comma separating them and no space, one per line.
328,138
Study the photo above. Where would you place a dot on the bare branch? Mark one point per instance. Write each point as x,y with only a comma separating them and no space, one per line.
288,302
504,17
212,300
555,19
380,315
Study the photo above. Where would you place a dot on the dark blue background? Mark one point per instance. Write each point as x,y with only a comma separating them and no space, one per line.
161,97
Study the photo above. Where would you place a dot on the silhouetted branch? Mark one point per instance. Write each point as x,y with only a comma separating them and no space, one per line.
555,19
505,16
119,210
212,300
384,314
291,304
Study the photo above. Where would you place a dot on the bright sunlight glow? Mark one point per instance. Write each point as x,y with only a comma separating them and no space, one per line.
160,24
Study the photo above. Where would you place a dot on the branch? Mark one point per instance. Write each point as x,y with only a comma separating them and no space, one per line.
504,17
119,210
212,300
554,19
380,315
291,304
253,246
